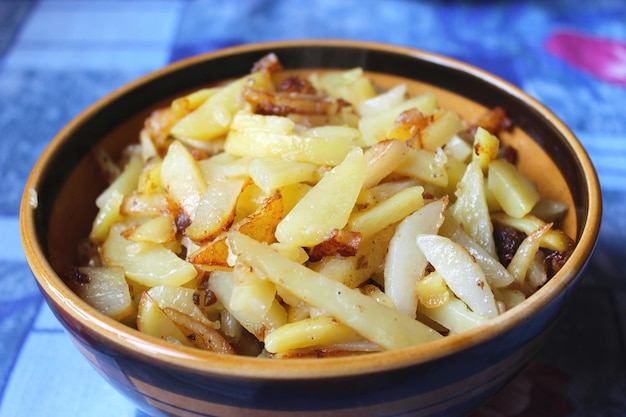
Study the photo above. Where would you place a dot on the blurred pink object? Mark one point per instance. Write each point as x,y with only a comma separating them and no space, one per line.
604,58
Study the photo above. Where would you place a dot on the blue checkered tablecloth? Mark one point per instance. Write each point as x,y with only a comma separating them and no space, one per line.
59,56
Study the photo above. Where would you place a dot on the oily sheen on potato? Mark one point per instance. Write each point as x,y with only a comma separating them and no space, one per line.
315,215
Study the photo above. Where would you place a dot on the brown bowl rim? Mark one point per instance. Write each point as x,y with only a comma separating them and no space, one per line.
139,345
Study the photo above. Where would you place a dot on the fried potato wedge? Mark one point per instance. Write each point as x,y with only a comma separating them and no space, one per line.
382,325
405,263
213,117
461,272
202,336
148,263
260,225
327,206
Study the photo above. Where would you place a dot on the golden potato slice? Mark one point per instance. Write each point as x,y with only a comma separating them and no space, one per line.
382,102
455,169
153,321
295,253
515,193
150,264
339,242
182,178
309,332
251,294
382,159
453,315
258,318
459,149
216,210
260,225
351,85
432,290
160,229
150,179
183,299
212,256
373,219
107,216
327,206
111,199
184,105
486,148
425,165
213,117
274,137
441,130
272,173
140,204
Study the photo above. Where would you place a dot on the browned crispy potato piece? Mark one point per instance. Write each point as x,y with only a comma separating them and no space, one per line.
201,335
269,62
409,125
259,225
158,126
340,242
282,104
296,84
493,121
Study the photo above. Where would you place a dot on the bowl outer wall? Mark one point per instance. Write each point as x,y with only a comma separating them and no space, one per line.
48,178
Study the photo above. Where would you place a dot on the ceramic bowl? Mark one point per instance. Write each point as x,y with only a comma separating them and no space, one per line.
449,377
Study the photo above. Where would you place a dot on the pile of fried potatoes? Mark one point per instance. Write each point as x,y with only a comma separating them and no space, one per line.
316,216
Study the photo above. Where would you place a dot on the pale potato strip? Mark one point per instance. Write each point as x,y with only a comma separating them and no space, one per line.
470,209
153,321
525,253
383,101
150,264
259,321
372,220
181,176
180,299
438,133
212,118
309,332
274,137
326,206
107,290
461,272
515,193
454,315
495,272
382,159
382,325
405,263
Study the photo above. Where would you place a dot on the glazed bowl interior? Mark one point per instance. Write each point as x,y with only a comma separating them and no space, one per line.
58,206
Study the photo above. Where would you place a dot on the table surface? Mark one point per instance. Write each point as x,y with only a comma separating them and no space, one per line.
57,57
